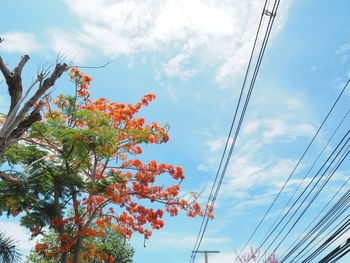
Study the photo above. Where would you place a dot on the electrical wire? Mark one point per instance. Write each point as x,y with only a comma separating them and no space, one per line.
335,253
295,168
328,203
218,180
334,237
302,237
306,175
303,254
326,164
321,232
335,212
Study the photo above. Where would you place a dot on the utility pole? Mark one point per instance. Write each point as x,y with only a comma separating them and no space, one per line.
205,252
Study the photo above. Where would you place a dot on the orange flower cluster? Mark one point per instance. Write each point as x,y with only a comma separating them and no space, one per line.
40,246
115,196
82,81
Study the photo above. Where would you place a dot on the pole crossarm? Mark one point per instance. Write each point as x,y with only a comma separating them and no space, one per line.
205,252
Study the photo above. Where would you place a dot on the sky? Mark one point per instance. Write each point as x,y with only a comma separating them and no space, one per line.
192,54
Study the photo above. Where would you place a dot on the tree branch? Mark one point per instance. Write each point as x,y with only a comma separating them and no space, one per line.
22,62
10,179
47,83
14,80
9,124
5,71
17,123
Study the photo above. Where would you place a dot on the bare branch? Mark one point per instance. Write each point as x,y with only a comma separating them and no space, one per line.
4,69
9,124
45,85
102,66
22,62
10,179
27,122
6,142
14,81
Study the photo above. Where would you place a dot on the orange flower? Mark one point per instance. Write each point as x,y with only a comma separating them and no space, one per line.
41,246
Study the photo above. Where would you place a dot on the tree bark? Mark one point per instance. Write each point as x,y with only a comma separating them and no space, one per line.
7,142
19,119
58,214
77,249
10,179
14,80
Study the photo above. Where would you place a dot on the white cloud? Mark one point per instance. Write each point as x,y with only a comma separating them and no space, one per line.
215,144
247,172
274,128
282,128
216,33
293,104
251,126
175,67
187,241
209,165
302,182
19,42
173,95
65,45
256,162
343,52
343,49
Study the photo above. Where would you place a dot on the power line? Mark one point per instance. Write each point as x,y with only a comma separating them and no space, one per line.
337,253
303,238
306,175
218,180
315,196
322,239
334,237
296,166
326,164
326,221
331,218
328,203
323,220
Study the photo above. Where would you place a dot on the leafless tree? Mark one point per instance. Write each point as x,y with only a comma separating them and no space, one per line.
24,109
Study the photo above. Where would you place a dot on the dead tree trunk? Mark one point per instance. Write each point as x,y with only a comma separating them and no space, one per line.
22,113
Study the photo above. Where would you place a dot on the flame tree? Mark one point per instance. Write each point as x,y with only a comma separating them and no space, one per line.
69,162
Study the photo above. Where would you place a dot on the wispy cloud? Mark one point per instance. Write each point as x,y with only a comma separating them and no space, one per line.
178,241
64,44
22,42
343,49
189,241
215,33
258,166
343,52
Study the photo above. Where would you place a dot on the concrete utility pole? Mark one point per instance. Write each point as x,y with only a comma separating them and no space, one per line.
205,252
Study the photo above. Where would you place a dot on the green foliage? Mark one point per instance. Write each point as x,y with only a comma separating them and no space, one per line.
8,251
113,245
33,257
76,171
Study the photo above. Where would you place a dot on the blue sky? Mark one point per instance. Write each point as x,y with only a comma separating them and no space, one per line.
192,55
